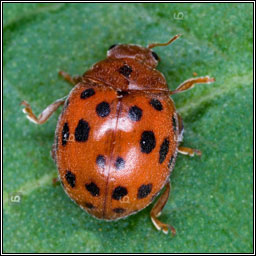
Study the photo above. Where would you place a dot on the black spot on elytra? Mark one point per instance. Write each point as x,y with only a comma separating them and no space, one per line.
155,56
144,190
82,131
120,163
125,70
87,93
112,46
156,104
147,142
70,178
101,161
65,134
119,210
174,123
88,205
103,109
93,189
119,192
164,148
135,113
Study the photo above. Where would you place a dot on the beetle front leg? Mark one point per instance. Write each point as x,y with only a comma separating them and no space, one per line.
70,79
44,116
157,209
190,83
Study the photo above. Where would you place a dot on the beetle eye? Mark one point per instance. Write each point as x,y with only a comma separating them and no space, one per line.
112,46
155,56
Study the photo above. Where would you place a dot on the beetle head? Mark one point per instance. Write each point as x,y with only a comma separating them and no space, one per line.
139,53
142,54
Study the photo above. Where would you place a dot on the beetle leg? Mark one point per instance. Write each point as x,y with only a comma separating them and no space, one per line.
189,151
44,116
70,79
157,209
190,83
185,150
180,128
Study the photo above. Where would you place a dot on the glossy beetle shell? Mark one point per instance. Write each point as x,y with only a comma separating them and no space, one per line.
117,137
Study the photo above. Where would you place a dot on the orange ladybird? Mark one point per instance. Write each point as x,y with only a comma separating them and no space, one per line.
118,135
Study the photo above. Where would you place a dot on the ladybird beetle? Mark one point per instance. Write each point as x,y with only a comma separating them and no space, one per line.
118,135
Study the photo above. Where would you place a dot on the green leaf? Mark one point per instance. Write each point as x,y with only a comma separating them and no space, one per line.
211,202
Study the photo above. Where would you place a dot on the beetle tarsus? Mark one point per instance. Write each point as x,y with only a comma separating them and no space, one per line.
189,151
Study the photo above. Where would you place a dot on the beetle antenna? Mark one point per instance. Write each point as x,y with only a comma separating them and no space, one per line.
150,46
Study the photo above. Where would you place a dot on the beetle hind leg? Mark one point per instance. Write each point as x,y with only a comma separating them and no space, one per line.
157,209
46,113
70,79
